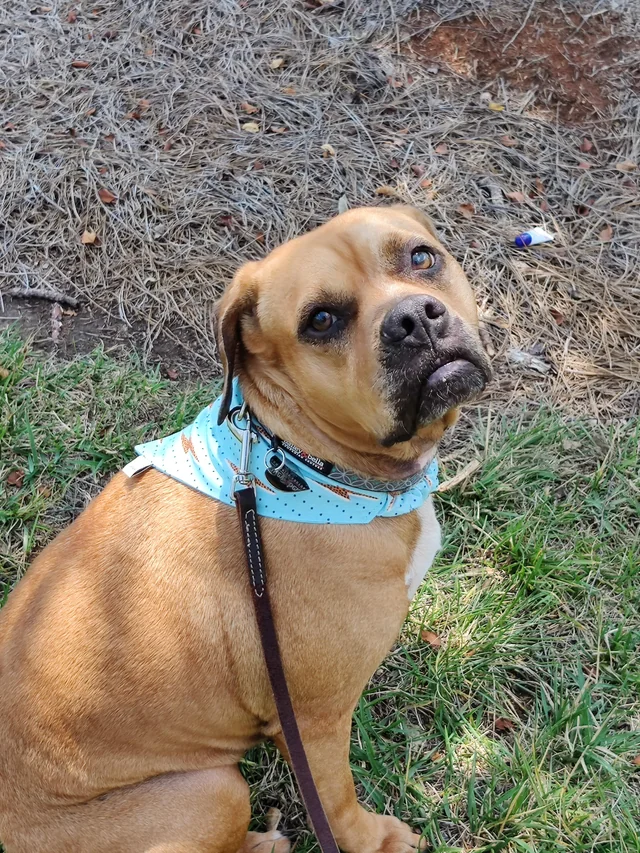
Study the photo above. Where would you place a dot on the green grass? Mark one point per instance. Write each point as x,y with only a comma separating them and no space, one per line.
535,597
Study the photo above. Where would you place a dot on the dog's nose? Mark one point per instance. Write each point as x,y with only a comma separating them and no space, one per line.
415,321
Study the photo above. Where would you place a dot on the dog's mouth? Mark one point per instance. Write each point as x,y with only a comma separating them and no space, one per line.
431,384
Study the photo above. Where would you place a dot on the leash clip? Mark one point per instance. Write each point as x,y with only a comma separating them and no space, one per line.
244,478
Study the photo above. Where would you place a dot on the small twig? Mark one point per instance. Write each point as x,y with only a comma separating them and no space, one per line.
39,293
273,818
522,26
460,477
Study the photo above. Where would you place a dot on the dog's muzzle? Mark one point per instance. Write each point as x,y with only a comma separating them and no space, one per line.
433,362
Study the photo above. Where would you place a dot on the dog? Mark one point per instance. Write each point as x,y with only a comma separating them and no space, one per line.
132,678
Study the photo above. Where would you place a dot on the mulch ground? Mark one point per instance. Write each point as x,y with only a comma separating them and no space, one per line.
147,150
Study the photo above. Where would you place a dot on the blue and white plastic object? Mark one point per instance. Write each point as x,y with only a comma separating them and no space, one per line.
533,238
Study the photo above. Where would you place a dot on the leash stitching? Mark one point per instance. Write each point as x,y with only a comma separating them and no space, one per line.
249,549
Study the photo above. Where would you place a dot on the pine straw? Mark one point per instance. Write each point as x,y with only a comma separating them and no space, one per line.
184,166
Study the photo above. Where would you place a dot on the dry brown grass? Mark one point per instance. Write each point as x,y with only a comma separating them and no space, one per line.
156,118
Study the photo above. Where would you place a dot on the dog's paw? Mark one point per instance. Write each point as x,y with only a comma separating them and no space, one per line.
270,841
396,837
265,842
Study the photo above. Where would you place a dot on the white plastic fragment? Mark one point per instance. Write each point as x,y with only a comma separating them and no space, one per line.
533,237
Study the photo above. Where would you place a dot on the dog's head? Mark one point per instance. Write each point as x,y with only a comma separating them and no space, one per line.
367,323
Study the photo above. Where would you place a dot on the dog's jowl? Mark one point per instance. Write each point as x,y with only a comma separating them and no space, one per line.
132,678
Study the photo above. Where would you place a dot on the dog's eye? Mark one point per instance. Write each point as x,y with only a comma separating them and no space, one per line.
322,321
422,258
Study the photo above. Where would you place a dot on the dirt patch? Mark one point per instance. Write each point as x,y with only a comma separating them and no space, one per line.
83,330
577,65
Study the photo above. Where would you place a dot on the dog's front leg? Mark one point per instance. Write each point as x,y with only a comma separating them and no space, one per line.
356,830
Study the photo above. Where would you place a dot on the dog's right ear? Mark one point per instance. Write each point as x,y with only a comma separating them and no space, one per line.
238,299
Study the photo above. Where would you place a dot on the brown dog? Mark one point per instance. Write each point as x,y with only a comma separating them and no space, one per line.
132,679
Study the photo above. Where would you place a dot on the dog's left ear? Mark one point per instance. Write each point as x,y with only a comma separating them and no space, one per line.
238,299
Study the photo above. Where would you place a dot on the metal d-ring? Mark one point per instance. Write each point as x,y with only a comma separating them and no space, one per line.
235,418
274,452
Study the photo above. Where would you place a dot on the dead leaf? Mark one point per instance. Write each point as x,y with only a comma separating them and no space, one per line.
417,170
544,205
288,90
144,103
426,183
343,204
474,244
72,17
584,165
110,137
251,127
467,210
516,196
260,237
496,108
249,108
606,235
539,186
509,141
629,184
103,170
91,111
394,163
258,165
88,237
134,114
328,151
275,129
586,145
441,148
389,192
226,221
278,62
148,51
519,358
106,196
502,724
393,81
626,166
168,145
636,761
172,373
558,316
79,63
437,756
584,209
4,373
429,637
16,478
568,444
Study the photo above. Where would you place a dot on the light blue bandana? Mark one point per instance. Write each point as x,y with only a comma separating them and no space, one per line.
290,485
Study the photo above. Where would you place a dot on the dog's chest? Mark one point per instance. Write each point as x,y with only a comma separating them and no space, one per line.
427,546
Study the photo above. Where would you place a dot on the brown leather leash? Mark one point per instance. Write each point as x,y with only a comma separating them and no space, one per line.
245,498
